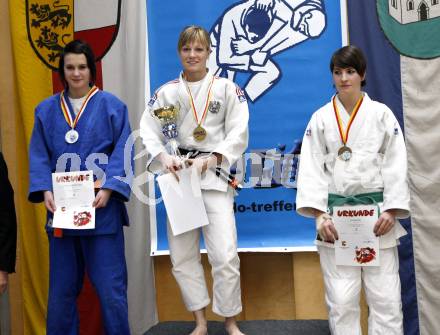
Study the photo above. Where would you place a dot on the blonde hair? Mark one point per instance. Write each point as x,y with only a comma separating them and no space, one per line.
192,34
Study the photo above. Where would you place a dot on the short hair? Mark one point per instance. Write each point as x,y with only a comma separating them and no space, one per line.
192,34
349,56
78,47
258,21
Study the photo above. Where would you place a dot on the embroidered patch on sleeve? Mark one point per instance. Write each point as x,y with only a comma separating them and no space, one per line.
152,100
240,94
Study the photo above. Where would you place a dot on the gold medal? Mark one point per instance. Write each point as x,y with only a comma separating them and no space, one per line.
344,153
199,133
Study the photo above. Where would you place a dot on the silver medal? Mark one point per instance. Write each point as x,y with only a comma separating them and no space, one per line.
71,136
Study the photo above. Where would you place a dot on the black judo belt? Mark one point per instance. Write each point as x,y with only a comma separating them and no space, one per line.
219,172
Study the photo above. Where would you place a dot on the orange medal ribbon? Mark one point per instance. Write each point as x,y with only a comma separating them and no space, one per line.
344,134
65,109
199,132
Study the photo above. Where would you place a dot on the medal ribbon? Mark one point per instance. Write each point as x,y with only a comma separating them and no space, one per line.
344,134
208,99
65,108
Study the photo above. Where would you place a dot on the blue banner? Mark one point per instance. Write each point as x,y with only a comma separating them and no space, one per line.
278,52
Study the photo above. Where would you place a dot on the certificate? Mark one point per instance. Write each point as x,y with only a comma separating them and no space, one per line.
73,194
183,200
357,244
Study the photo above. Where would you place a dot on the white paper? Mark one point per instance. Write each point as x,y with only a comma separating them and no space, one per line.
183,200
73,194
357,244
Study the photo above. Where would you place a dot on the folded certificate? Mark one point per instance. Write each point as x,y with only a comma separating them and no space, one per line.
357,244
73,194
183,200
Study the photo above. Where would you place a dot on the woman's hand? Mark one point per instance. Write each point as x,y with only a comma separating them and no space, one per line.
49,201
170,163
204,163
326,229
385,222
102,198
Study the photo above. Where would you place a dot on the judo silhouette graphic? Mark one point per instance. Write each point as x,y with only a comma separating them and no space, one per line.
248,34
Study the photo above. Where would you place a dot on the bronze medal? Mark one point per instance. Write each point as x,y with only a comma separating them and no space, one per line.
344,153
199,133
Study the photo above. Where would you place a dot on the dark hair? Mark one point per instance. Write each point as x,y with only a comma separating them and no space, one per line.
258,21
349,56
78,47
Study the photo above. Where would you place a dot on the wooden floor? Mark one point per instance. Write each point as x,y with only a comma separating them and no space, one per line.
275,286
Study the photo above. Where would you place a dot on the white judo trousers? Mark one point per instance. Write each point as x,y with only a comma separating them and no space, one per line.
220,237
378,164
382,290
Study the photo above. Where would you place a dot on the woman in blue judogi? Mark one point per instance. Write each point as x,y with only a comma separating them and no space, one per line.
84,128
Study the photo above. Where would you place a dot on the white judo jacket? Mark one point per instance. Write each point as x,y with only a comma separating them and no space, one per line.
226,123
378,162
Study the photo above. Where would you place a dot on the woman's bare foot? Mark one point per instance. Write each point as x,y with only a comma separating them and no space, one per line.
200,330
201,323
232,327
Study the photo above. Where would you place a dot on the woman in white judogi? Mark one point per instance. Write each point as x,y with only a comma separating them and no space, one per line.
354,146
213,120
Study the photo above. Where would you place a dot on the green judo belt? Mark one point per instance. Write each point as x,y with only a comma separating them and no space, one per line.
372,198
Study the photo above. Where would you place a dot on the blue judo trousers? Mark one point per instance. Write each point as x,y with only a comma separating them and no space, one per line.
102,256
